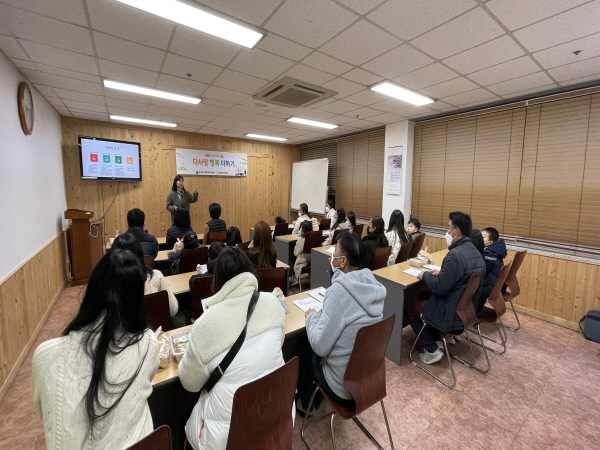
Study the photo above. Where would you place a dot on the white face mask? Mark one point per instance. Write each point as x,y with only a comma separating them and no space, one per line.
327,209
449,238
333,268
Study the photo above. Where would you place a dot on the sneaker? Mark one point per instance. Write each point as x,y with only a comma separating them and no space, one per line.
427,358
449,341
302,411
294,281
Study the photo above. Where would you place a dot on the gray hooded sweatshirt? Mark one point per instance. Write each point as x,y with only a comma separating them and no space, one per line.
354,300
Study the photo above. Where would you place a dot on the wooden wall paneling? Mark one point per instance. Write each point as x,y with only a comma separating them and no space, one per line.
375,173
513,176
360,176
433,160
416,182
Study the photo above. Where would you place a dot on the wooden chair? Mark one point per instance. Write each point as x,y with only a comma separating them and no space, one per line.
312,239
244,246
149,260
261,414
405,249
364,378
159,439
466,311
325,224
190,258
156,307
269,279
358,229
200,288
382,254
281,229
336,235
417,246
512,283
215,236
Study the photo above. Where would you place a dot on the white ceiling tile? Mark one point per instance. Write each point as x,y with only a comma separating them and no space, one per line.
56,102
63,112
254,12
365,98
203,108
262,106
519,84
130,23
235,114
46,91
535,90
408,19
391,105
476,95
66,10
239,82
339,107
191,122
33,27
167,103
188,129
260,64
35,76
23,64
580,69
489,54
68,73
505,71
203,47
72,84
518,13
80,97
426,76
362,124
89,115
563,54
363,77
181,85
440,106
317,114
11,48
363,113
127,96
127,74
327,63
57,57
200,117
125,112
283,47
165,111
160,117
310,22
133,106
451,87
253,125
580,80
225,94
200,71
462,33
130,53
573,24
309,75
386,118
220,103
228,121
90,107
360,43
401,60
266,120
362,6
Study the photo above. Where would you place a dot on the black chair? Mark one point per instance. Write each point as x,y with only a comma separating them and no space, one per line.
281,229
325,224
190,258
156,307
201,288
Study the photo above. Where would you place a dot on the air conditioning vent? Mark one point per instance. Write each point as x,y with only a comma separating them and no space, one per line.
293,93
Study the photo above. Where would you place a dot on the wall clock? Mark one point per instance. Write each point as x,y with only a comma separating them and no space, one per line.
25,102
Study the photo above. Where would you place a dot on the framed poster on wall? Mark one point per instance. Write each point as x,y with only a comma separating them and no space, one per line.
393,181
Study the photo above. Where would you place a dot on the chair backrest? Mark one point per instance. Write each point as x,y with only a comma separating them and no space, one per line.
382,254
325,224
417,246
466,307
244,245
215,236
358,228
261,414
156,307
312,239
405,249
337,234
178,236
201,289
159,439
269,279
149,260
511,278
190,258
281,229
365,373
496,298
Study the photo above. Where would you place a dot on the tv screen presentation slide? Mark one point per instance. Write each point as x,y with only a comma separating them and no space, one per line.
109,159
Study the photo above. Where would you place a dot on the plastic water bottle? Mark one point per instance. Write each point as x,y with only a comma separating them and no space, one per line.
116,233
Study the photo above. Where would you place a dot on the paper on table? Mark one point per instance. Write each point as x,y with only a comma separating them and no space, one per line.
318,294
331,250
326,233
413,272
432,267
306,303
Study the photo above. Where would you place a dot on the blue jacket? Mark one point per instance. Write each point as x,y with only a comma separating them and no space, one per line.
497,249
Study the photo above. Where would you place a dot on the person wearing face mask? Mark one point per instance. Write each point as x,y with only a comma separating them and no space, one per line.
494,247
446,287
330,211
354,300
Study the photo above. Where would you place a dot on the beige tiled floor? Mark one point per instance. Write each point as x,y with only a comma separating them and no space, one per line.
542,394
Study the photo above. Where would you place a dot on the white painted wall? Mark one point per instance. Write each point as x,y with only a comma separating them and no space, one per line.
32,187
396,134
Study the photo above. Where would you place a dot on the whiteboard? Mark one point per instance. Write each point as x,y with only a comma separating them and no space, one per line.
309,184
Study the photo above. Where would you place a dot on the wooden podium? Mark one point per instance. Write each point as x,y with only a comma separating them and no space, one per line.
85,244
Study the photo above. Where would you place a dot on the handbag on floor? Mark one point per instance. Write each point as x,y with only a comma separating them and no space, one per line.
591,326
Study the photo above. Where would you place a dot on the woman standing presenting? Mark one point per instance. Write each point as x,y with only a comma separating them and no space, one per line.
179,198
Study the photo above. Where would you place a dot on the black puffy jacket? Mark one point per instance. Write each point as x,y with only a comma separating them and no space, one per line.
447,288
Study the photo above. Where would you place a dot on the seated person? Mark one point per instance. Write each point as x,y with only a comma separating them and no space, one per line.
490,261
301,262
262,253
413,228
396,235
233,237
354,300
351,221
340,223
181,225
279,220
329,210
211,337
155,281
446,287
135,222
304,215
190,241
215,223
494,247
374,239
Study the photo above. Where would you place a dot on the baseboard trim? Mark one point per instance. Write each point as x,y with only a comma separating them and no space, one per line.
546,317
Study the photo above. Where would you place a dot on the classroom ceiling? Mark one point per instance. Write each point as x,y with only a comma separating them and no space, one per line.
462,52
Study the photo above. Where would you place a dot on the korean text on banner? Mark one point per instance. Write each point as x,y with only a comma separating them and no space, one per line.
208,162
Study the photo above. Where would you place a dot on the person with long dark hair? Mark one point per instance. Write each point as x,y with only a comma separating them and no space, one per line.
396,234
233,236
182,223
179,198
374,239
262,253
340,224
91,386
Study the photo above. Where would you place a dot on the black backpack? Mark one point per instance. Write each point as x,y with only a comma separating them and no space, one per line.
591,326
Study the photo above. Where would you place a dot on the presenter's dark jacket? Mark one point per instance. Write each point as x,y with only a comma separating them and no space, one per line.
181,200
148,241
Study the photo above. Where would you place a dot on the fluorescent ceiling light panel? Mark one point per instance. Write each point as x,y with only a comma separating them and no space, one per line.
148,91
312,123
402,93
143,121
266,138
199,20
